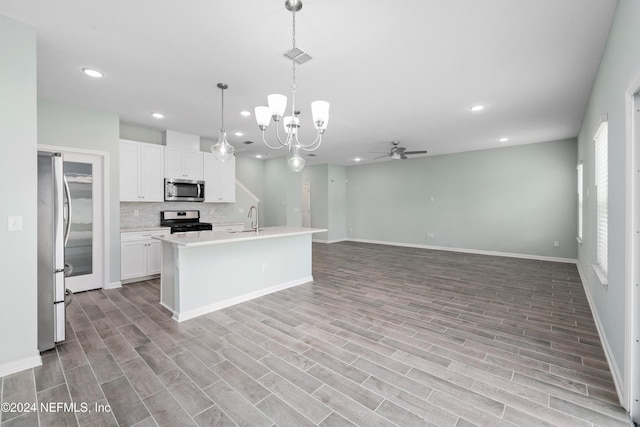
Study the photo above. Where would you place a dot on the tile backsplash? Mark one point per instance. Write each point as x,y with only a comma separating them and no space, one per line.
149,213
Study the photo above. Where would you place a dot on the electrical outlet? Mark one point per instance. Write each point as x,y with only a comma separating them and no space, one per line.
433,199
265,267
430,235
211,211
556,244
136,212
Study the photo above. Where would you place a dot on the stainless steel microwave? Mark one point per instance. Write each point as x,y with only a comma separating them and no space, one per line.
183,190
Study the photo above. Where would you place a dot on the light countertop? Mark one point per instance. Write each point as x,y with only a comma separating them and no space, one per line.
202,238
139,229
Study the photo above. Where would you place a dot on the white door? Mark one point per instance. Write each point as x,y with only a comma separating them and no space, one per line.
306,205
84,248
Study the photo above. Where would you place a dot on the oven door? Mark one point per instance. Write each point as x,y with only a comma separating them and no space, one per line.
183,190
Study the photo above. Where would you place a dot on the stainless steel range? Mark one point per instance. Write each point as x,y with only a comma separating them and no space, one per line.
183,221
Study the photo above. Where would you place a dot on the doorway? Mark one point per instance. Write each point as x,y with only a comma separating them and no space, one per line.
306,205
84,212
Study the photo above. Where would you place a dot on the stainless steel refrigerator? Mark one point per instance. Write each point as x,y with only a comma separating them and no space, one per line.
52,232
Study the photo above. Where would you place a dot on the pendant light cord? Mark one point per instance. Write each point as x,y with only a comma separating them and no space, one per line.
222,112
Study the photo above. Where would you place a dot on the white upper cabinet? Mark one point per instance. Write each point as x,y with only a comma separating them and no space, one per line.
182,164
220,179
141,172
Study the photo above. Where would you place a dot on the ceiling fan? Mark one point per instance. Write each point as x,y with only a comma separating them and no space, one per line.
399,153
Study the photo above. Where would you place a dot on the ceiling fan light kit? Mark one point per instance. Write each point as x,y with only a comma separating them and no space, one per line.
277,105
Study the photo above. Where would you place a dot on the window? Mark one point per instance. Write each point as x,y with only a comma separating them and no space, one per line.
601,139
580,202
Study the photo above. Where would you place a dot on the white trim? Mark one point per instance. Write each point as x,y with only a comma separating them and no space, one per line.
19,365
328,241
246,190
106,218
190,314
601,275
469,251
113,285
618,379
632,252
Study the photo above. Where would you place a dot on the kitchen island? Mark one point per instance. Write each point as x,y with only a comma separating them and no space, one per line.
210,270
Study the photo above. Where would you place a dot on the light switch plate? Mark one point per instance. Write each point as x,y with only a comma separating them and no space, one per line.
14,223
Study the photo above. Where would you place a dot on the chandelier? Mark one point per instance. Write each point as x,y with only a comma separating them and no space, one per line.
222,150
278,104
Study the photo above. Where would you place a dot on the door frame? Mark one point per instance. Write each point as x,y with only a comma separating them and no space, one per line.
106,220
631,398
306,194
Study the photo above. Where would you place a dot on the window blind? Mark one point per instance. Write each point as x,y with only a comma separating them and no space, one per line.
602,195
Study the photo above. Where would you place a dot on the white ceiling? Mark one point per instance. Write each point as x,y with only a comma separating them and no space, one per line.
392,70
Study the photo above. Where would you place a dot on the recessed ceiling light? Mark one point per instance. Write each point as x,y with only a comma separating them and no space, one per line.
477,108
157,115
245,113
357,159
238,134
505,139
258,156
92,73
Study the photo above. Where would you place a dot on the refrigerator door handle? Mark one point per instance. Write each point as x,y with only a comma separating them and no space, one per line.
67,228
68,297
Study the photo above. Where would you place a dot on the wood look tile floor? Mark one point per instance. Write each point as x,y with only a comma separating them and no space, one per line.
383,336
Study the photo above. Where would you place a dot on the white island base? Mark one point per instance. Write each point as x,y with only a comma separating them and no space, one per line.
207,271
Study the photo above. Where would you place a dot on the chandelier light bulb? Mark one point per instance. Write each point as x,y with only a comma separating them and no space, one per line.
296,163
263,117
222,149
277,104
291,124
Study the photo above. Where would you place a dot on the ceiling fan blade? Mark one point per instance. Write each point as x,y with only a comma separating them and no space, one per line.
403,157
379,157
416,152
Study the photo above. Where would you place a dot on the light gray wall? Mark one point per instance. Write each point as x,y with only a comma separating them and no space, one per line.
19,189
316,176
140,133
282,193
68,126
620,65
337,195
515,200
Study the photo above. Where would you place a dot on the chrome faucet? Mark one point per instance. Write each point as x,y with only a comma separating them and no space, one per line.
257,221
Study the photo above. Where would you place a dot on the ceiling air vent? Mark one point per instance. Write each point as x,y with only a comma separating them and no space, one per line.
298,56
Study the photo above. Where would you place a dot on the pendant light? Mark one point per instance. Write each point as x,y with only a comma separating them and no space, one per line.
222,150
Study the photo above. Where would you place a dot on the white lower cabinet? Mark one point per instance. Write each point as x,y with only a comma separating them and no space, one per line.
141,255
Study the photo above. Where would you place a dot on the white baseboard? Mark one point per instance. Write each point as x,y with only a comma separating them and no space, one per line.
113,285
328,241
618,379
20,365
190,314
468,251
